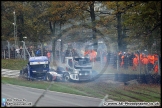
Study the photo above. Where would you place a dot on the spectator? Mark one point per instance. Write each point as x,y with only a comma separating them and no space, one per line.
44,52
21,51
120,58
156,63
131,57
17,52
122,61
38,52
151,62
135,63
156,68
145,61
48,55
126,61
12,53
33,55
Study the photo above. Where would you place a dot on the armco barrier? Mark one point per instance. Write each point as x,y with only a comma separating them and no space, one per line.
143,78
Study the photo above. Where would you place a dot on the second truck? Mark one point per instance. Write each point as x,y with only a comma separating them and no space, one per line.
78,68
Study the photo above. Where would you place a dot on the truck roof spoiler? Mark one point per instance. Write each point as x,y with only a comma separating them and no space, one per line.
38,59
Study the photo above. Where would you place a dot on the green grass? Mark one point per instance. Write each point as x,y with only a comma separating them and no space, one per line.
119,92
14,64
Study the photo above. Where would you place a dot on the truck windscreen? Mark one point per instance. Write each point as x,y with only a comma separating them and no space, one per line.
82,61
40,66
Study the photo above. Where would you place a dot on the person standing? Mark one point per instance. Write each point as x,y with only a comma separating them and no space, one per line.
17,52
122,61
145,61
21,50
125,61
156,63
38,52
135,64
48,55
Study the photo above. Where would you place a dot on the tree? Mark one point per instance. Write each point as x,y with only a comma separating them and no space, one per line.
143,20
58,14
132,23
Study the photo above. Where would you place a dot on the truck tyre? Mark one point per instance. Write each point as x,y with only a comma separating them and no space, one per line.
66,77
48,77
26,76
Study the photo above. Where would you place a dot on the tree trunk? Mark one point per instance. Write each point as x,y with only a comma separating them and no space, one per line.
52,28
92,15
119,29
61,43
20,28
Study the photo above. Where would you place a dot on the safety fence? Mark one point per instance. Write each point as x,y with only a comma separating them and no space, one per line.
126,78
143,63
24,49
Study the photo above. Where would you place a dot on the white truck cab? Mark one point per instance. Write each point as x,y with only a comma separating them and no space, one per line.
79,68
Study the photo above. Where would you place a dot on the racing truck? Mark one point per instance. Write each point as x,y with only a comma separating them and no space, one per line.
38,68
78,68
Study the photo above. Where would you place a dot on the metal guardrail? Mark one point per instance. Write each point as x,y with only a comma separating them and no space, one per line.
143,78
10,73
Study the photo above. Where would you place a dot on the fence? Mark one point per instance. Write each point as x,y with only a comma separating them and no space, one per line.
24,49
103,57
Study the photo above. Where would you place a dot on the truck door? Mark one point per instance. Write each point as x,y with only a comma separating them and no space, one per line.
70,63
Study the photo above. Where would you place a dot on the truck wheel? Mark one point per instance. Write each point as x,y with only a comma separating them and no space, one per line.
66,77
48,77
25,75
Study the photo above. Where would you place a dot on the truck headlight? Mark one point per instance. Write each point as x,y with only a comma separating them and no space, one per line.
75,71
80,73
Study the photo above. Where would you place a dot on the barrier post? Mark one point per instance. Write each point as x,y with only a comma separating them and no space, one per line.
4,54
24,49
8,49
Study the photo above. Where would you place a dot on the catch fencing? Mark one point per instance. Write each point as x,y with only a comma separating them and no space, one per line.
23,50
103,57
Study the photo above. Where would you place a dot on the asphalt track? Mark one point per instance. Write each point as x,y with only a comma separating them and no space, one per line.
51,98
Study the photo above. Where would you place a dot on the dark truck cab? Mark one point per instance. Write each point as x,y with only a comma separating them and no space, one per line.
37,68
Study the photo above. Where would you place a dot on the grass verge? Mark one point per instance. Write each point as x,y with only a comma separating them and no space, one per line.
13,64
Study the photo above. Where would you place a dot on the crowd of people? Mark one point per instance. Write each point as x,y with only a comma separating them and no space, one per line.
18,52
126,59
148,61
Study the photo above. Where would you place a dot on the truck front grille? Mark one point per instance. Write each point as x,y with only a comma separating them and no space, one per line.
84,72
84,75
